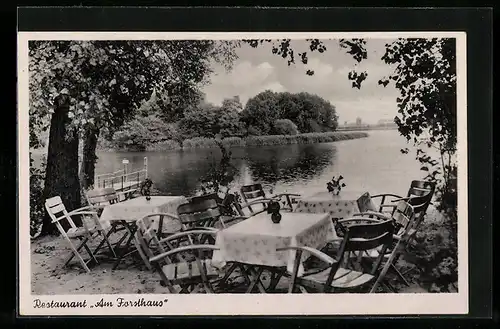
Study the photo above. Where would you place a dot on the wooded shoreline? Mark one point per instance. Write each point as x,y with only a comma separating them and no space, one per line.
199,142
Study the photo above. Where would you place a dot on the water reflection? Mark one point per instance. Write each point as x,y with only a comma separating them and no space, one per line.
372,164
289,163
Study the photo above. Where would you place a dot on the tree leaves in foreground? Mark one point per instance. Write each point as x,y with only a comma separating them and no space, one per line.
77,86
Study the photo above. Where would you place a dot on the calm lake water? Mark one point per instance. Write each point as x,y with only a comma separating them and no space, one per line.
374,164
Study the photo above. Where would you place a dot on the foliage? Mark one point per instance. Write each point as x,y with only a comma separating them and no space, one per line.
260,113
79,85
435,250
200,142
165,145
37,209
284,49
425,75
207,120
220,174
285,127
310,113
146,188
334,185
143,131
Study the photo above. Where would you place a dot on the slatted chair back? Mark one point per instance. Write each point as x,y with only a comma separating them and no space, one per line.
61,218
181,259
251,193
420,188
59,215
358,239
199,198
403,214
102,196
362,238
365,203
199,213
147,236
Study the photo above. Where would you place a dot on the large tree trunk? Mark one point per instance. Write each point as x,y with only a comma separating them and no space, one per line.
89,157
62,165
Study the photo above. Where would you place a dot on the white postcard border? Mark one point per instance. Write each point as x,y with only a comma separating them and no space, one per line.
236,304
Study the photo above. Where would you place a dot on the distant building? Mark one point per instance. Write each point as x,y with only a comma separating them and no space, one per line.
386,122
358,121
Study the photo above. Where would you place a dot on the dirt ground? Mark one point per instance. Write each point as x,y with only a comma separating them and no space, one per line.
49,277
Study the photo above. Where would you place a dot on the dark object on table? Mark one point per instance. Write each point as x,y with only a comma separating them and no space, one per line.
334,186
146,188
273,208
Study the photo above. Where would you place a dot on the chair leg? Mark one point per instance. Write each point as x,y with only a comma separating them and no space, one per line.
105,240
70,256
77,254
398,273
141,254
92,256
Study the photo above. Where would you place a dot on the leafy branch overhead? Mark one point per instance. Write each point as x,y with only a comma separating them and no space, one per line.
283,48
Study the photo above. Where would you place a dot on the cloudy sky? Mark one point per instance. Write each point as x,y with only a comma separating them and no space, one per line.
258,69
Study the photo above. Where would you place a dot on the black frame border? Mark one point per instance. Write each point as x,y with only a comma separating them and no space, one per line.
476,22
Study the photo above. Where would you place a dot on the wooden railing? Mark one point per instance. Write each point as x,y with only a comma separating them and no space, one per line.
121,180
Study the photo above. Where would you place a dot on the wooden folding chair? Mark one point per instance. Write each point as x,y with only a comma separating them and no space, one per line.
419,193
405,223
342,273
83,234
255,192
147,236
203,213
182,260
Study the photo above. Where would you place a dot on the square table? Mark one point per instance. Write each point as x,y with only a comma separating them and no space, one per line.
254,241
339,206
127,212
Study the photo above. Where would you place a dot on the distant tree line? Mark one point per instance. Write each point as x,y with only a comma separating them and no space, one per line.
267,113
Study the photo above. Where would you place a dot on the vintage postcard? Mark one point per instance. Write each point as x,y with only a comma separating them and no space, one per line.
242,173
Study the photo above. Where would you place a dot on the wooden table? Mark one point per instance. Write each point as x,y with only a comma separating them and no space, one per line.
126,213
253,243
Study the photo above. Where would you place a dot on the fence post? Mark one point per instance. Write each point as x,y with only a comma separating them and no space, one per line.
146,166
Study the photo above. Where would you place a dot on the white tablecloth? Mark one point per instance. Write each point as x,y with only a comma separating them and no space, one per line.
255,240
134,209
339,206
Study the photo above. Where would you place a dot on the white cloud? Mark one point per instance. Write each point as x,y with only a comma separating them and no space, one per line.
258,69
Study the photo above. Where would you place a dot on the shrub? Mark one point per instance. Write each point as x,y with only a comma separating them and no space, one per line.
233,141
37,209
285,127
435,250
199,142
164,146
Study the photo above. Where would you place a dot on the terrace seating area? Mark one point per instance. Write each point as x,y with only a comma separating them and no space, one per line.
252,241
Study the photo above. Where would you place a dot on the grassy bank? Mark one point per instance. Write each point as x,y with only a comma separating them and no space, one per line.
308,138
201,142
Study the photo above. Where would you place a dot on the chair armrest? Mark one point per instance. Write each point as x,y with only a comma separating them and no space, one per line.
318,254
187,233
284,194
232,218
401,199
387,206
385,195
181,249
357,219
260,201
163,214
74,212
127,193
91,207
195,228
372,213
335,240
